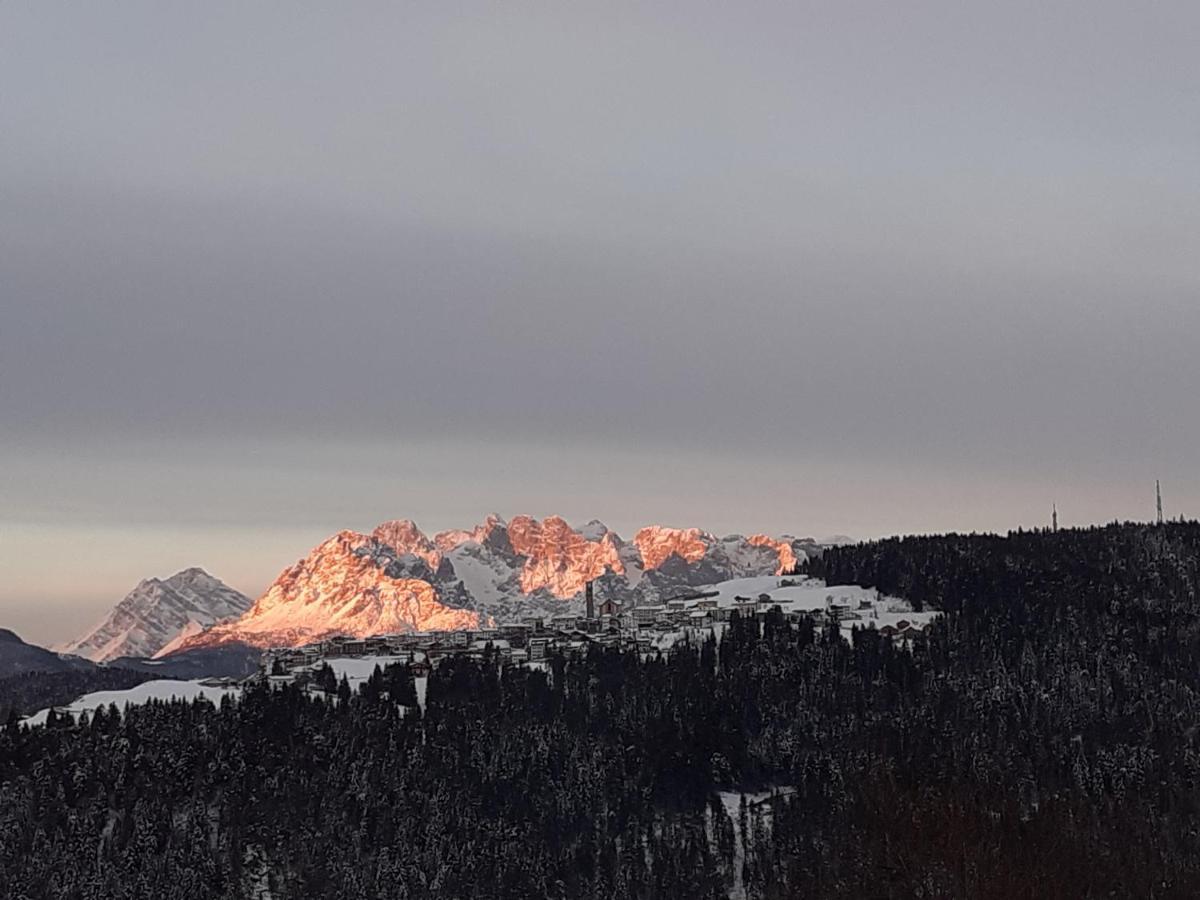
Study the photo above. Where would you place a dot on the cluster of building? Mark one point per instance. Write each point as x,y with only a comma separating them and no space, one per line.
530,640
534,638
702,610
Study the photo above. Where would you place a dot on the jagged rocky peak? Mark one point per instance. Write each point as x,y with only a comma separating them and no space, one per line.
558,558
404,536
657,543
595,530
783,549
158,612
493,530
193,576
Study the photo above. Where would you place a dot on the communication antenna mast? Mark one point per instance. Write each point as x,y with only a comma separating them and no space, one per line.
1054,517
1158,499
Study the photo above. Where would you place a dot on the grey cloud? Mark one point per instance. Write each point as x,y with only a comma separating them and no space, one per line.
936,241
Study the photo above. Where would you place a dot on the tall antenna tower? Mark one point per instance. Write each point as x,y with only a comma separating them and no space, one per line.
1158,499
1054,517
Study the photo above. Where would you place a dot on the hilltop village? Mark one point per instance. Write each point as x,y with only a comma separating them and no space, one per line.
645,629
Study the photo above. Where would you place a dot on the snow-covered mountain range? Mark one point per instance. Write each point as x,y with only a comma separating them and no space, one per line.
158,612
398,579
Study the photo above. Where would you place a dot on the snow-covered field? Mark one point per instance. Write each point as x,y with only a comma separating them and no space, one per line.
142,693
359,669
805,595
356,670
813,595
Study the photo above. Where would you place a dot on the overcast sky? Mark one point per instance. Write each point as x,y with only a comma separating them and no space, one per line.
272,270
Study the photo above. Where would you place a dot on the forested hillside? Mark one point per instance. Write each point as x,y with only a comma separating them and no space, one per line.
23,694
1040,741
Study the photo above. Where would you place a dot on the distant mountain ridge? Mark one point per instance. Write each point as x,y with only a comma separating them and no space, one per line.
398,579
157,613
19,658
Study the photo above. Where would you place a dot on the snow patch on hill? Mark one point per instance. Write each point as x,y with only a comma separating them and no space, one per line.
358,669
142,693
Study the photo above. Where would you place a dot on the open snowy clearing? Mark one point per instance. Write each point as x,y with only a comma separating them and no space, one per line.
142,693
359,669
356,671
867,607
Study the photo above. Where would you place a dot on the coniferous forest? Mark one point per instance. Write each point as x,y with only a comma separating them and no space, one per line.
1042,740
29,692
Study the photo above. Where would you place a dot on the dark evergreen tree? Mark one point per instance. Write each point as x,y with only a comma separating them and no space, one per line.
1039,741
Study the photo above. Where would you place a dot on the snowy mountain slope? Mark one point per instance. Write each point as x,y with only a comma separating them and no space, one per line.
156,612
396,579
487,577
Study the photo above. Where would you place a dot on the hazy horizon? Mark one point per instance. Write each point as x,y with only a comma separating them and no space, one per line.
860,269
63,605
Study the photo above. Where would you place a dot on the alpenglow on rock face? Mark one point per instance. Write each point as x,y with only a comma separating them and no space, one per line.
396,579
157,613
351,584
